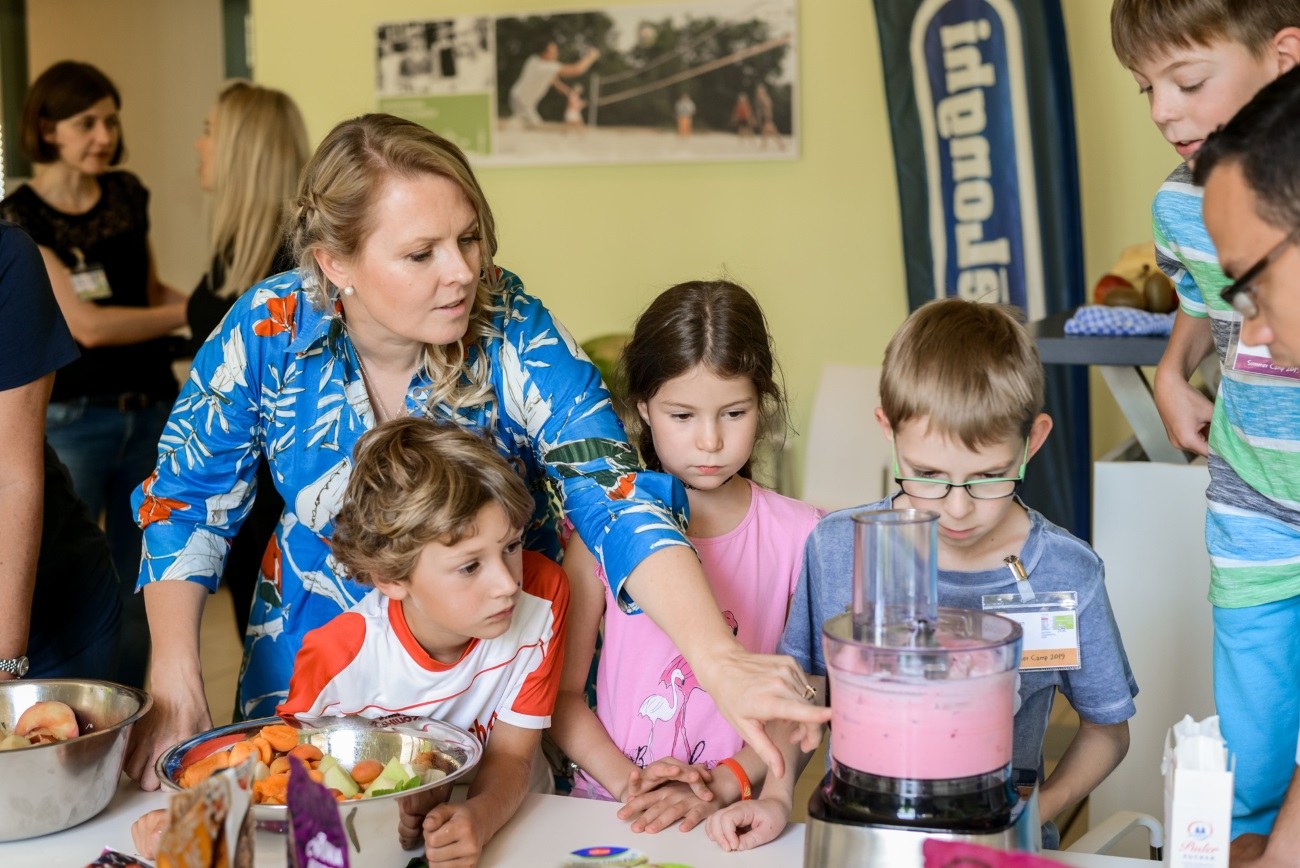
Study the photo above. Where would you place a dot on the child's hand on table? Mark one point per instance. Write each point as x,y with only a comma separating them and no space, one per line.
411,811
659,772
453,836
762,818
666,804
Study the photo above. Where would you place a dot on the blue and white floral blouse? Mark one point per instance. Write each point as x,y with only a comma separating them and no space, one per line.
280,379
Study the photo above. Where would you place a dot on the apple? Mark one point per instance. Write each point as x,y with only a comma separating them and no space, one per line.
1109,283
48,719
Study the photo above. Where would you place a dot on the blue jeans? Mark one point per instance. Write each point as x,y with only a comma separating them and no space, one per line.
1257,695
108,453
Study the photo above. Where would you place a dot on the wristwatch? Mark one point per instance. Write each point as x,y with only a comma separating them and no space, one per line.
15,666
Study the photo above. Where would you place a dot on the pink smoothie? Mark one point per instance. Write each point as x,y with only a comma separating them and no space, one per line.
922,728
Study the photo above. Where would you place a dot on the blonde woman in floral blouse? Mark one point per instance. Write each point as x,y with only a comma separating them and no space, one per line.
398,308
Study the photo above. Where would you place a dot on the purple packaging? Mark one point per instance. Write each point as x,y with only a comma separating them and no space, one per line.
111,858
316,838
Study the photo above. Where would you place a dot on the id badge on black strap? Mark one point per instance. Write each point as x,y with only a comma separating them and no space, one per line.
89,281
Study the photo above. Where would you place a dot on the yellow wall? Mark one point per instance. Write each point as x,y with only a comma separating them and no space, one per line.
1122,160
817,240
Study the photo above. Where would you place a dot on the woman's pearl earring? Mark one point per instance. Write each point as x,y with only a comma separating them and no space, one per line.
349,291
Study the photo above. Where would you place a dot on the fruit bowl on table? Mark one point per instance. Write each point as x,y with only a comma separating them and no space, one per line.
52,787
349,740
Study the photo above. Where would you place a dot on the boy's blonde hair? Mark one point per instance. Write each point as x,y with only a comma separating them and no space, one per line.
969,369
415,482
1143,29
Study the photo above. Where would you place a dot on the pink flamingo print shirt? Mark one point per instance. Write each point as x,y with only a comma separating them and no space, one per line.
647,696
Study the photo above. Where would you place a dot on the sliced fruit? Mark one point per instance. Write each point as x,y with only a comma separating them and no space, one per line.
13,741
209,747
200,770
334,777
366,771
281,737
242,751
307,753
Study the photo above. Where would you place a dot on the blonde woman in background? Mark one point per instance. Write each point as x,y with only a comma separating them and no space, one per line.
253,147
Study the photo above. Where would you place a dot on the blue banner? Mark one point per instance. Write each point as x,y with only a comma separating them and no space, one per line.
983,129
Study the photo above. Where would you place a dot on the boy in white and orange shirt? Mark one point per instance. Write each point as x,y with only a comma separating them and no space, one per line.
463,625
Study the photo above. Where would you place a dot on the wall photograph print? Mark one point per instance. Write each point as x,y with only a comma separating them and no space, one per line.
715,80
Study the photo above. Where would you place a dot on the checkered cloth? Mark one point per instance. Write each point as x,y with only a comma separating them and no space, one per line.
1100,319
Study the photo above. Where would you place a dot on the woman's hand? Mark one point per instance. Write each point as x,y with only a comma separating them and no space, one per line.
180,707
763,820
752,688
180,710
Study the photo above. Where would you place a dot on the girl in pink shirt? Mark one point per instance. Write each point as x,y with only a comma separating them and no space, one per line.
702,379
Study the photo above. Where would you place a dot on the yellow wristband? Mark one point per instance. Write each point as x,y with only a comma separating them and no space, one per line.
746,789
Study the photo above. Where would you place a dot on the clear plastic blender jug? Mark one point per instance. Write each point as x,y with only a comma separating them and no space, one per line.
922,698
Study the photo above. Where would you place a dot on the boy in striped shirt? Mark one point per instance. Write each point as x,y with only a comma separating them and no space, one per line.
463,625
1198,62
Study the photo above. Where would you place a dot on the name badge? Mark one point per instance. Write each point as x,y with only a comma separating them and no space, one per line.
91,283
1050,624
1251,359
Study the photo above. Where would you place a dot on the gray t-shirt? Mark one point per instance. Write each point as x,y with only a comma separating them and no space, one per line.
1101,691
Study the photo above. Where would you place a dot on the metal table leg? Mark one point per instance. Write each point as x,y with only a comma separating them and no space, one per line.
1133,394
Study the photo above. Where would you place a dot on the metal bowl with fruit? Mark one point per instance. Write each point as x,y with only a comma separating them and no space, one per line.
64,744
400,760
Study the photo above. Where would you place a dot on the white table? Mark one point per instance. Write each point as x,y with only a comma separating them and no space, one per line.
544,831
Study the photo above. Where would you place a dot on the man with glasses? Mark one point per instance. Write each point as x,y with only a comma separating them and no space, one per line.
961,395
1250,169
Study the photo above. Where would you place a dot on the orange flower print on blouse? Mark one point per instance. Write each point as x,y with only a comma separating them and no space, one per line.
156,508
281,318
269,588
623,487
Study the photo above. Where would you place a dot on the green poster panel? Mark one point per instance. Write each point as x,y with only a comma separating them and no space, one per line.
464,118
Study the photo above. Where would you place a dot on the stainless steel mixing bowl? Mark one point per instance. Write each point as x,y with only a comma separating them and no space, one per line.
51,787
349,740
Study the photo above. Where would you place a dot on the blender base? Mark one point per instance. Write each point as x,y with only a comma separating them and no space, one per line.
828,841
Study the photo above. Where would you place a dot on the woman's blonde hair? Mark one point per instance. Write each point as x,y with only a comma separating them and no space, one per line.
332,214
417,482
259,148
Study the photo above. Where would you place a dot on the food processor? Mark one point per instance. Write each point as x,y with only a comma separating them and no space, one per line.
922,705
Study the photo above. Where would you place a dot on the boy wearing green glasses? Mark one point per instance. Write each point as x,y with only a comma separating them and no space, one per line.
961,395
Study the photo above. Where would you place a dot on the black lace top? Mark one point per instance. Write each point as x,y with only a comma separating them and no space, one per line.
113,234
